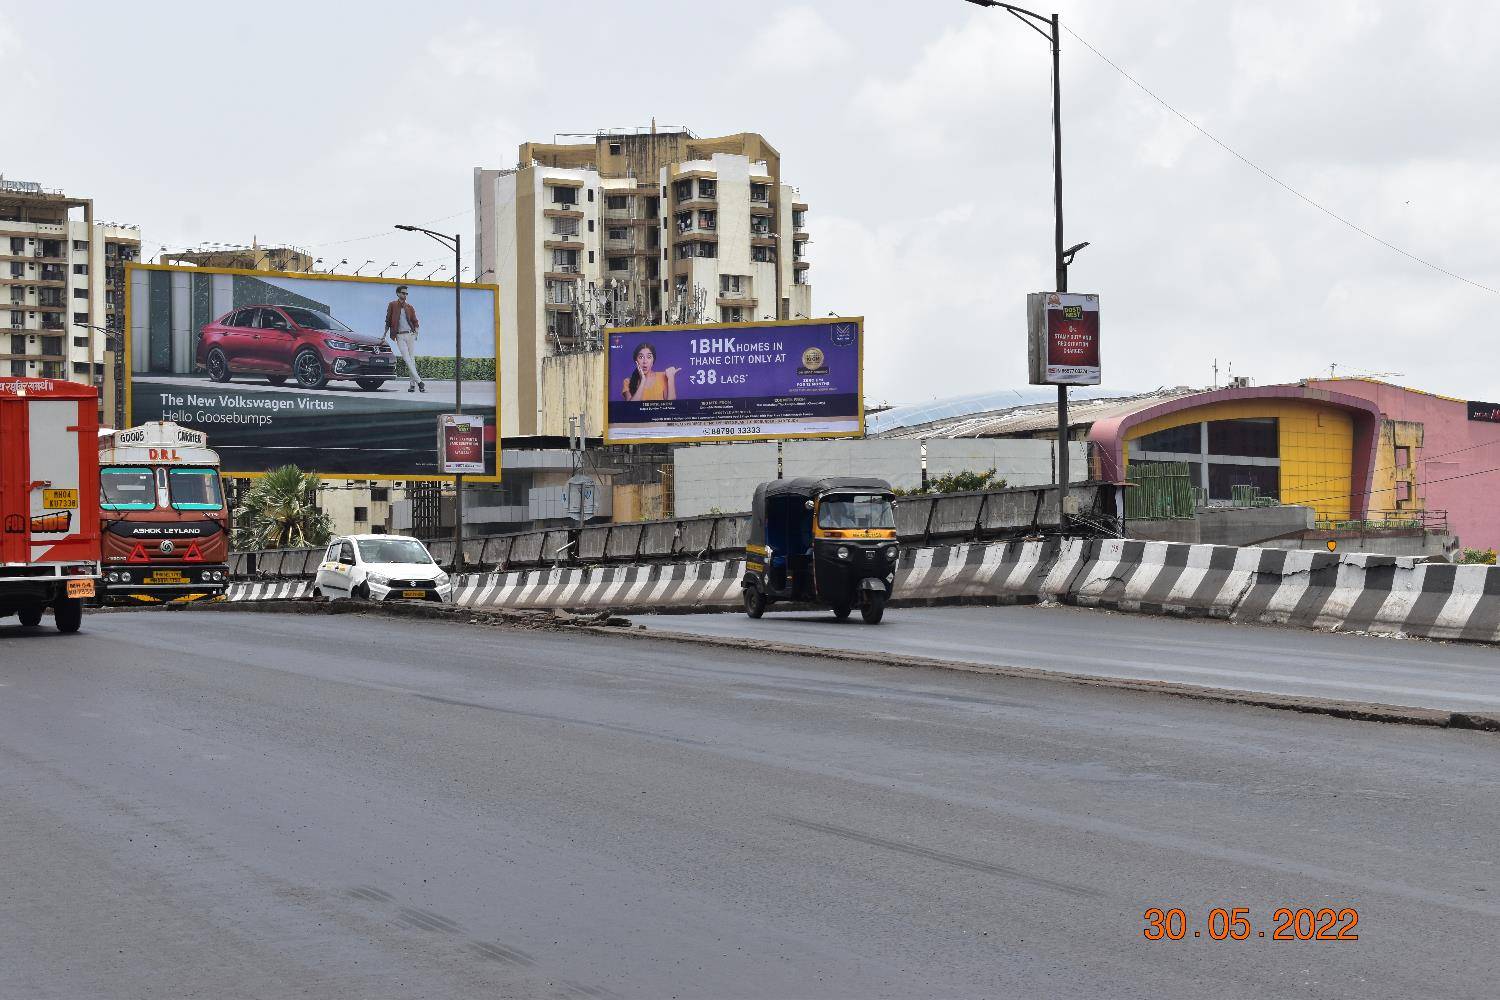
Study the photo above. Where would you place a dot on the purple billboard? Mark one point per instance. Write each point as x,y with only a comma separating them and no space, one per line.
735,381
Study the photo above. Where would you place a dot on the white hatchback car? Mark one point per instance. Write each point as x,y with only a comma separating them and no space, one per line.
381,568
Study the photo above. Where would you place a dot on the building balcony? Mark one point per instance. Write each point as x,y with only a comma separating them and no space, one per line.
563,272
620,246
697,201
801,265
741,299
563,212
563,243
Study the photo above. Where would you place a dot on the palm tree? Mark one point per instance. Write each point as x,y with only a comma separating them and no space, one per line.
280,511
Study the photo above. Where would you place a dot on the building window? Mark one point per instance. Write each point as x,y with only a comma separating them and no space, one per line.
707,188
763,255
1250,438
708,220
1223,477
591,194
736,285
617,202
361,514
591,225
565,227
81,318
619,263
18,368
80,244
591,256
760,192
566,195
565,261
81,342
799,220
80,368
617,233
683,190
380,494
731,314
80,293
80,269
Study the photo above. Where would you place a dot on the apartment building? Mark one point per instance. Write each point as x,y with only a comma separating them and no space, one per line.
629,229
62,286
251,258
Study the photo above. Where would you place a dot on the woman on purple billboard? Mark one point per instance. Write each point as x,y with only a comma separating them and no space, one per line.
646,384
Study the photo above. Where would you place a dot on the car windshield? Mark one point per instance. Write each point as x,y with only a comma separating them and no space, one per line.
312,319
196,489
127,489
394,550
856,510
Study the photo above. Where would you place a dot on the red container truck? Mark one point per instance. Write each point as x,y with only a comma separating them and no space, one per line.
49,499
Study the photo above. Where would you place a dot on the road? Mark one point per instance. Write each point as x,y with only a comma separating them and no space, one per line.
232,804
1448,676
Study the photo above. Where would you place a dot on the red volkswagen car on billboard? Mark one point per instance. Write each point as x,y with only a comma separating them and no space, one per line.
280,342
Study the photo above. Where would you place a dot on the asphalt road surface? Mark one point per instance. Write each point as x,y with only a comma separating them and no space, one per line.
231,805
1415,674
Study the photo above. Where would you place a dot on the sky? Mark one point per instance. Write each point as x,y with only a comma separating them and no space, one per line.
919,133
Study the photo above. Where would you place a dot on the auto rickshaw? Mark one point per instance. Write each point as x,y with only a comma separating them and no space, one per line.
821,541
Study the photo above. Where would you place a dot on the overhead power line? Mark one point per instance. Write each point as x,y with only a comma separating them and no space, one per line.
1272,177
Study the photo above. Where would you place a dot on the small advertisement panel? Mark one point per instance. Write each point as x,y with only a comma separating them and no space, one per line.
735,381
336,374
1488,413
1063,338
461,444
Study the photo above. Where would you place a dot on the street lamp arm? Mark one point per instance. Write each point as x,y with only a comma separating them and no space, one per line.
1021,13
446,240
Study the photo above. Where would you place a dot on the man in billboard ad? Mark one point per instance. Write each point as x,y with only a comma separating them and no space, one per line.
735,381
340,375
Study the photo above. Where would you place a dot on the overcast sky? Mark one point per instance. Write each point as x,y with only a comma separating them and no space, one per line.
919,132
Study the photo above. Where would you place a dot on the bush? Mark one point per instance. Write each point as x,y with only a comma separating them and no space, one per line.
475,369
1477,557
957,482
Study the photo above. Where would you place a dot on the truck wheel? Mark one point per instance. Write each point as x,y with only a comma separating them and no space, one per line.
841,611
68,611
31,618
873,609
755,602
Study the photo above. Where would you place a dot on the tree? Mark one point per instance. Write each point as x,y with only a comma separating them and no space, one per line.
957,482
280,511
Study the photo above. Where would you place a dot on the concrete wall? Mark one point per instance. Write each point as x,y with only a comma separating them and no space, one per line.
1227,525
572,384
725,475
719,475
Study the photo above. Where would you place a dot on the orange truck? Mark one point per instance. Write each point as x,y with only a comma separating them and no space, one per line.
49,499
165,526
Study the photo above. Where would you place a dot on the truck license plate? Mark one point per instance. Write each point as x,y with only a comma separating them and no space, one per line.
59,499
167,576
80,588
413,593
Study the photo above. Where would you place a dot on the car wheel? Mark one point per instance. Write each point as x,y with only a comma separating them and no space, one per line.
276,379
874,609
841,611
755,602
308,368
370,384
218,366
361,593
68,611
31,618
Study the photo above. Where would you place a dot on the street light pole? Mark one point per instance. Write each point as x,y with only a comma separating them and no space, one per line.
1061,257
456,242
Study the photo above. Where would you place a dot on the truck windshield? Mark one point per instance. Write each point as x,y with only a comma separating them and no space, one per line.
856,510
196,489
394,550
127,489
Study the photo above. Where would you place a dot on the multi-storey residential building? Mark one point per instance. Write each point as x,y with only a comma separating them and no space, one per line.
251,258
62,288
630,229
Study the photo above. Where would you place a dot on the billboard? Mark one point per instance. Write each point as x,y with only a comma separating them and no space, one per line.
460,444
1488,413
735,381
1063,338
304,369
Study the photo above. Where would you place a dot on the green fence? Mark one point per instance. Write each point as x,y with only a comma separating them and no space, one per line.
1159,490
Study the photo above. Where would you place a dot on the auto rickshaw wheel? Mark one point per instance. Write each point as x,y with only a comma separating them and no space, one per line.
873,609
755,602
841,611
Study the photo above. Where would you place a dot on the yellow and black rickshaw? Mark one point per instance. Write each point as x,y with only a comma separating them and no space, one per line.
821,541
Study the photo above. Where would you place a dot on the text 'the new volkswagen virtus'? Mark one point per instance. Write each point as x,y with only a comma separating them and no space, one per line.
281,342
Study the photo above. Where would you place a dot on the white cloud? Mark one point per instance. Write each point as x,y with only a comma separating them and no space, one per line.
797,39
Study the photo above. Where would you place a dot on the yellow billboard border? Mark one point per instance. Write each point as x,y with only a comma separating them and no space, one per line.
859,321
132,266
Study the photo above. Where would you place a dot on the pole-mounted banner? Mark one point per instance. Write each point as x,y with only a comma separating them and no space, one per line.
1063,338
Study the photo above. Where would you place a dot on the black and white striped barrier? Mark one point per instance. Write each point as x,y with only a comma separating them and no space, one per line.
1358,592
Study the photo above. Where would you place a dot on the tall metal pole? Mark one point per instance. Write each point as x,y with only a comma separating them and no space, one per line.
1062,272
458,400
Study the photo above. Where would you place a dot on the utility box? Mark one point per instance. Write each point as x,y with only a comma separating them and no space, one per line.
49,499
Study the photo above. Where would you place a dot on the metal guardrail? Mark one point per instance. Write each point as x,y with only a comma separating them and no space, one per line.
947,518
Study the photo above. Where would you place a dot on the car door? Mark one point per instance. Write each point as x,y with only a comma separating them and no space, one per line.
277,343
233,338
327,579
